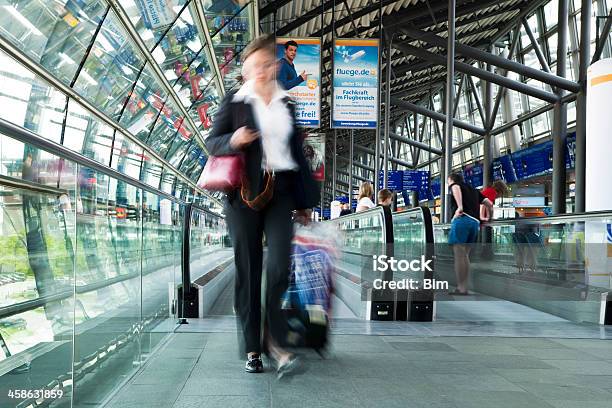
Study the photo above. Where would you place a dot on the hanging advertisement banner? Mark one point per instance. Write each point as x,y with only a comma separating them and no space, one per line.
156,13
355,97
299,72
314,151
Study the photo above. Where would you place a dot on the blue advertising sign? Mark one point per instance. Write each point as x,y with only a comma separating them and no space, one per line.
395,179
305,93
503,169
355,100
473,175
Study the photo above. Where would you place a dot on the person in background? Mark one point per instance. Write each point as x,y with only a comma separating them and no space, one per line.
287,75
385,199
258,121
497,189
365,197
465,207
346,210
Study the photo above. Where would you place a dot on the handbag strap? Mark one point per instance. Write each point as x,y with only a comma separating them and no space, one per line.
260,201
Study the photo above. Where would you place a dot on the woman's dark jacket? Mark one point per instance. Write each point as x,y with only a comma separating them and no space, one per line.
234,113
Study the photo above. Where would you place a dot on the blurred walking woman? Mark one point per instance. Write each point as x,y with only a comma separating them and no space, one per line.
258,121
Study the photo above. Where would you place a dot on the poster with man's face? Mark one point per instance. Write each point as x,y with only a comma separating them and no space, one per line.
299,63
314,151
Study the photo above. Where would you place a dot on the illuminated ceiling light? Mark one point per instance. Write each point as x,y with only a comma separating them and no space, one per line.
24,21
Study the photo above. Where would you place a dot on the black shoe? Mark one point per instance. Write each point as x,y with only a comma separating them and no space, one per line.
254,364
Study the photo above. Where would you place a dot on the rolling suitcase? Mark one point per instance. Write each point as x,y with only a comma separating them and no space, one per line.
307,301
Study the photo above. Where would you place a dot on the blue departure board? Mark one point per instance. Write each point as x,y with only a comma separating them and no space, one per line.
503,169
415,180
533,161
395,179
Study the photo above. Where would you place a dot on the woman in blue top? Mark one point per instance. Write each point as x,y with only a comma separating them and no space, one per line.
465,205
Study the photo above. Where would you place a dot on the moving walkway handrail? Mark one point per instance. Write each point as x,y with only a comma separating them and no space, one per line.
372,212
28,137
584,216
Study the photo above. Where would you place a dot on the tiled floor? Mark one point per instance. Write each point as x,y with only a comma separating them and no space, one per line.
387,368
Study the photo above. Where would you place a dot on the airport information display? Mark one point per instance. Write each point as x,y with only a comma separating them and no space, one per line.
355,99
306,94
415,180
395,179
532,161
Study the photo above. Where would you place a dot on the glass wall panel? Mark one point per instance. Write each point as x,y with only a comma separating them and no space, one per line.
194,162
161,230
146,101
151,23
229,43
28,101
111,68
36,262
219,13
151,171
87,135
127,156
56,34
205,106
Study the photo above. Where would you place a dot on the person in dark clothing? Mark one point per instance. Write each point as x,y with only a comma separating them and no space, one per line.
465,206
385,199
258,121
287,75
346,210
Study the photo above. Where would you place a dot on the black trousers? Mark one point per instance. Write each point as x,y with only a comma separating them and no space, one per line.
246,228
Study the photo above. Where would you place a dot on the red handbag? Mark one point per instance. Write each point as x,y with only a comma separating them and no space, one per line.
222,173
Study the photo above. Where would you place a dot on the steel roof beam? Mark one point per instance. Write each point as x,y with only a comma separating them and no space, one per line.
480,55
486,75
436,115
415,143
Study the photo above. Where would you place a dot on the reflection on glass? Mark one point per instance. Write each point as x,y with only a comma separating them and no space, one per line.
87,135
229,43
219,13
205,106
127,156
151,19
194,162
56,35
170,133
151,172
110,69
29,102
146,100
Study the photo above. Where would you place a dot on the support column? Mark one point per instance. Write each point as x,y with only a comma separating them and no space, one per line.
559,132
487,175
387,114
512,135
350,189
585,58
448,126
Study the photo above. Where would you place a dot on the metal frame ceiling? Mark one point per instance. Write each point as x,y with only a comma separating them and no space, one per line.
479,23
